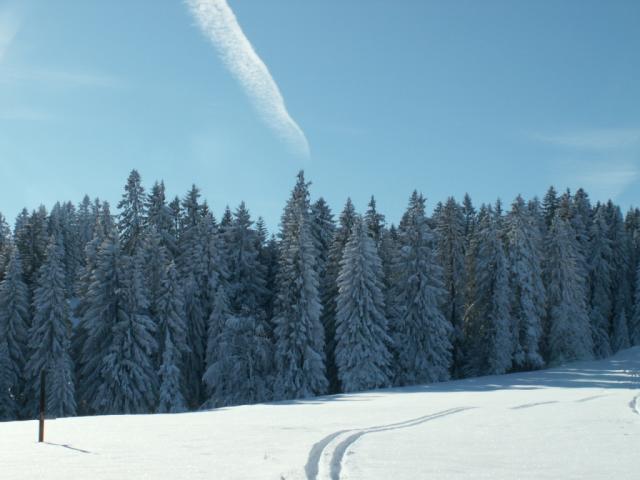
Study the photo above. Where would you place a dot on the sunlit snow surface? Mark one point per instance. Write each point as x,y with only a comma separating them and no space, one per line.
581,421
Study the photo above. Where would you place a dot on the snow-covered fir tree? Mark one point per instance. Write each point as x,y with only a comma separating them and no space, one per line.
159,217
361,353
14,325
128,377
299,334
169,316
451,245
524,257
488,336
50,337
600,275
192,270
330,293
569,332
420,332
132,214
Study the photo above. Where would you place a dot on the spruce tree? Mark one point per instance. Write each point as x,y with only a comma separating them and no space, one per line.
362,357
330,293
128,380
159,217
49,337
524,256
14,325
488,335
569,333
132,214
420,332
451,243
192,271
549,205
600,263
170,317
299,334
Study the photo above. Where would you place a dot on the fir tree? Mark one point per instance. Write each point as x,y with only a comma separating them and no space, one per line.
170,318
14,324
192,270
569,334
600,264
420,332
242,370
340,238
488,318
299,335
159,217
524,255
128,378
550,203
132,216
362,357
49,337
449,228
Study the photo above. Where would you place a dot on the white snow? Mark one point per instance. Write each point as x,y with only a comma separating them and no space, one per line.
580,421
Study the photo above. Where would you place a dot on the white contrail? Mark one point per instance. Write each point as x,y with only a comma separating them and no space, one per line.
219,24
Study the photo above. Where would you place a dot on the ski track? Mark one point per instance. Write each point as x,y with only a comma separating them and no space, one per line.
315,454
588,399
530,405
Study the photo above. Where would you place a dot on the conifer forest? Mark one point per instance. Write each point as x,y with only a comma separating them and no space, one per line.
160,306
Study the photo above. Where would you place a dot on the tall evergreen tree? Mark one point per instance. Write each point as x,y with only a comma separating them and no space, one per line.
524,255
49,337
128,378
192,270
132,214
299,334
420,332
14,322
362,357
451,243
170,318
159,217
569,334
340,239
550,203
600,268
488,322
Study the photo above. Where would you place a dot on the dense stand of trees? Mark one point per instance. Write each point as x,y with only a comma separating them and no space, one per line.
163,308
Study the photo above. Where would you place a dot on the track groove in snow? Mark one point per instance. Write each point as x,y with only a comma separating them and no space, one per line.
337,454
531,405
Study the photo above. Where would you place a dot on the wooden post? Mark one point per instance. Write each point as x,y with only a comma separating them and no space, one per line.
42,407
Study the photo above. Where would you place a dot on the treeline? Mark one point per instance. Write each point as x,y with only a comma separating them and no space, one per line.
164,308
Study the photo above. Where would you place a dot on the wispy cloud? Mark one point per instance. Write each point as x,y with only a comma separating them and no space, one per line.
608,179
9,26
600,139
604,161
218,22
72,78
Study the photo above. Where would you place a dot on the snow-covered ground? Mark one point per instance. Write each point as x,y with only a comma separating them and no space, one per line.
581,421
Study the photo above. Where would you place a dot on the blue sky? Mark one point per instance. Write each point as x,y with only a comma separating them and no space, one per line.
493,98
